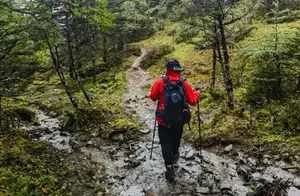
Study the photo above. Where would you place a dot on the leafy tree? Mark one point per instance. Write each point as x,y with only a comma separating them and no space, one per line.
215,16
70,31
19,57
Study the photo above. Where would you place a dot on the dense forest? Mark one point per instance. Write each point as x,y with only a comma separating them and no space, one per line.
75,115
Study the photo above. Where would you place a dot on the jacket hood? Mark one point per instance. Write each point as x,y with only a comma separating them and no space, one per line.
173,75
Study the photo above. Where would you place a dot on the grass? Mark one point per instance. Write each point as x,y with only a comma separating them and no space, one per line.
26,167
235,126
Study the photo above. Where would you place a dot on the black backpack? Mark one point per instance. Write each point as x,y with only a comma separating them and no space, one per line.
176,110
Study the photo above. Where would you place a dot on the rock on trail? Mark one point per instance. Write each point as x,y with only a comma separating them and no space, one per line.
130,172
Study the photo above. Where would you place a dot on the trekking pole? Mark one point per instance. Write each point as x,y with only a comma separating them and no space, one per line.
199,128
153,133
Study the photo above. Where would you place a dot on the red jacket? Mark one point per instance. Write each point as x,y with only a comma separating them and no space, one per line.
157,91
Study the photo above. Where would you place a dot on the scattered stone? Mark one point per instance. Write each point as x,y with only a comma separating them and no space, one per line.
47,131
202,190
228,148
150,193
296,183
190,155
252,161
297,158
276,158
74,144
244,171
89,143
99,193
63,142
225,186
63,134
191,181
265,156
235,153
145,131
286,156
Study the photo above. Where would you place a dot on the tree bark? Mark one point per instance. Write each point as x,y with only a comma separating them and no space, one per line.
104,43
70,51
56,64
214,50
228,77
213,77
298,87
1,113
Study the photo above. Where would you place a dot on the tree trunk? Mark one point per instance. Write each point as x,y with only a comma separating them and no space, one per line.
70,52
278,87
104,49
220,57
0,112
56,64
214,67
298,88
214,50
228,77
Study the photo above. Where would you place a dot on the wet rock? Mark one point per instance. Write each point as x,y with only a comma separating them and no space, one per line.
150,193
191,181
296,183
286,156
244,171
252,161
228,148
145,131
190,155
63,134
74,144
225,186
36,135
90,143
99,193
63,142
47,131
276,158
202,190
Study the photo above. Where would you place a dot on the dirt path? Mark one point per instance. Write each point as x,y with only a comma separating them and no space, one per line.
129,170
133,173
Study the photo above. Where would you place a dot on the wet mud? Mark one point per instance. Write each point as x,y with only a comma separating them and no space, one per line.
130,171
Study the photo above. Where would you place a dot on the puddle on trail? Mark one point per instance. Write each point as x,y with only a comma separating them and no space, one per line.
130,171
49,131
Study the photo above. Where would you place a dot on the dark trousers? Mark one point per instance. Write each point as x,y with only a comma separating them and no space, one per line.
170,141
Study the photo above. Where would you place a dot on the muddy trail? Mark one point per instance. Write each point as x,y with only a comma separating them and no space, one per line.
130,171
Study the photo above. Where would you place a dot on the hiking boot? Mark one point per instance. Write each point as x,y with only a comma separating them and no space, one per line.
170,173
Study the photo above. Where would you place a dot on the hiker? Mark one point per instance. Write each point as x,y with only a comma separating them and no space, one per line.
174,94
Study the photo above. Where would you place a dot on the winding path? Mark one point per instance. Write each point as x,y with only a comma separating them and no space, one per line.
133,173
129,170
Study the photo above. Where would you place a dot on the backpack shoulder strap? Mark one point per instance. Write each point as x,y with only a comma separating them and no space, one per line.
181,80
166,79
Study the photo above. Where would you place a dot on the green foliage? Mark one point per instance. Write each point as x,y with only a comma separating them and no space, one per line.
286,15
185,32
155,54
26,168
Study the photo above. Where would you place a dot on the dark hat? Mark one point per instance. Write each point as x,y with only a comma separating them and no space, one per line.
173,65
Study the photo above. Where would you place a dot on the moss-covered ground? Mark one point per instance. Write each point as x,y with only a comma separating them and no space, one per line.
271,126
